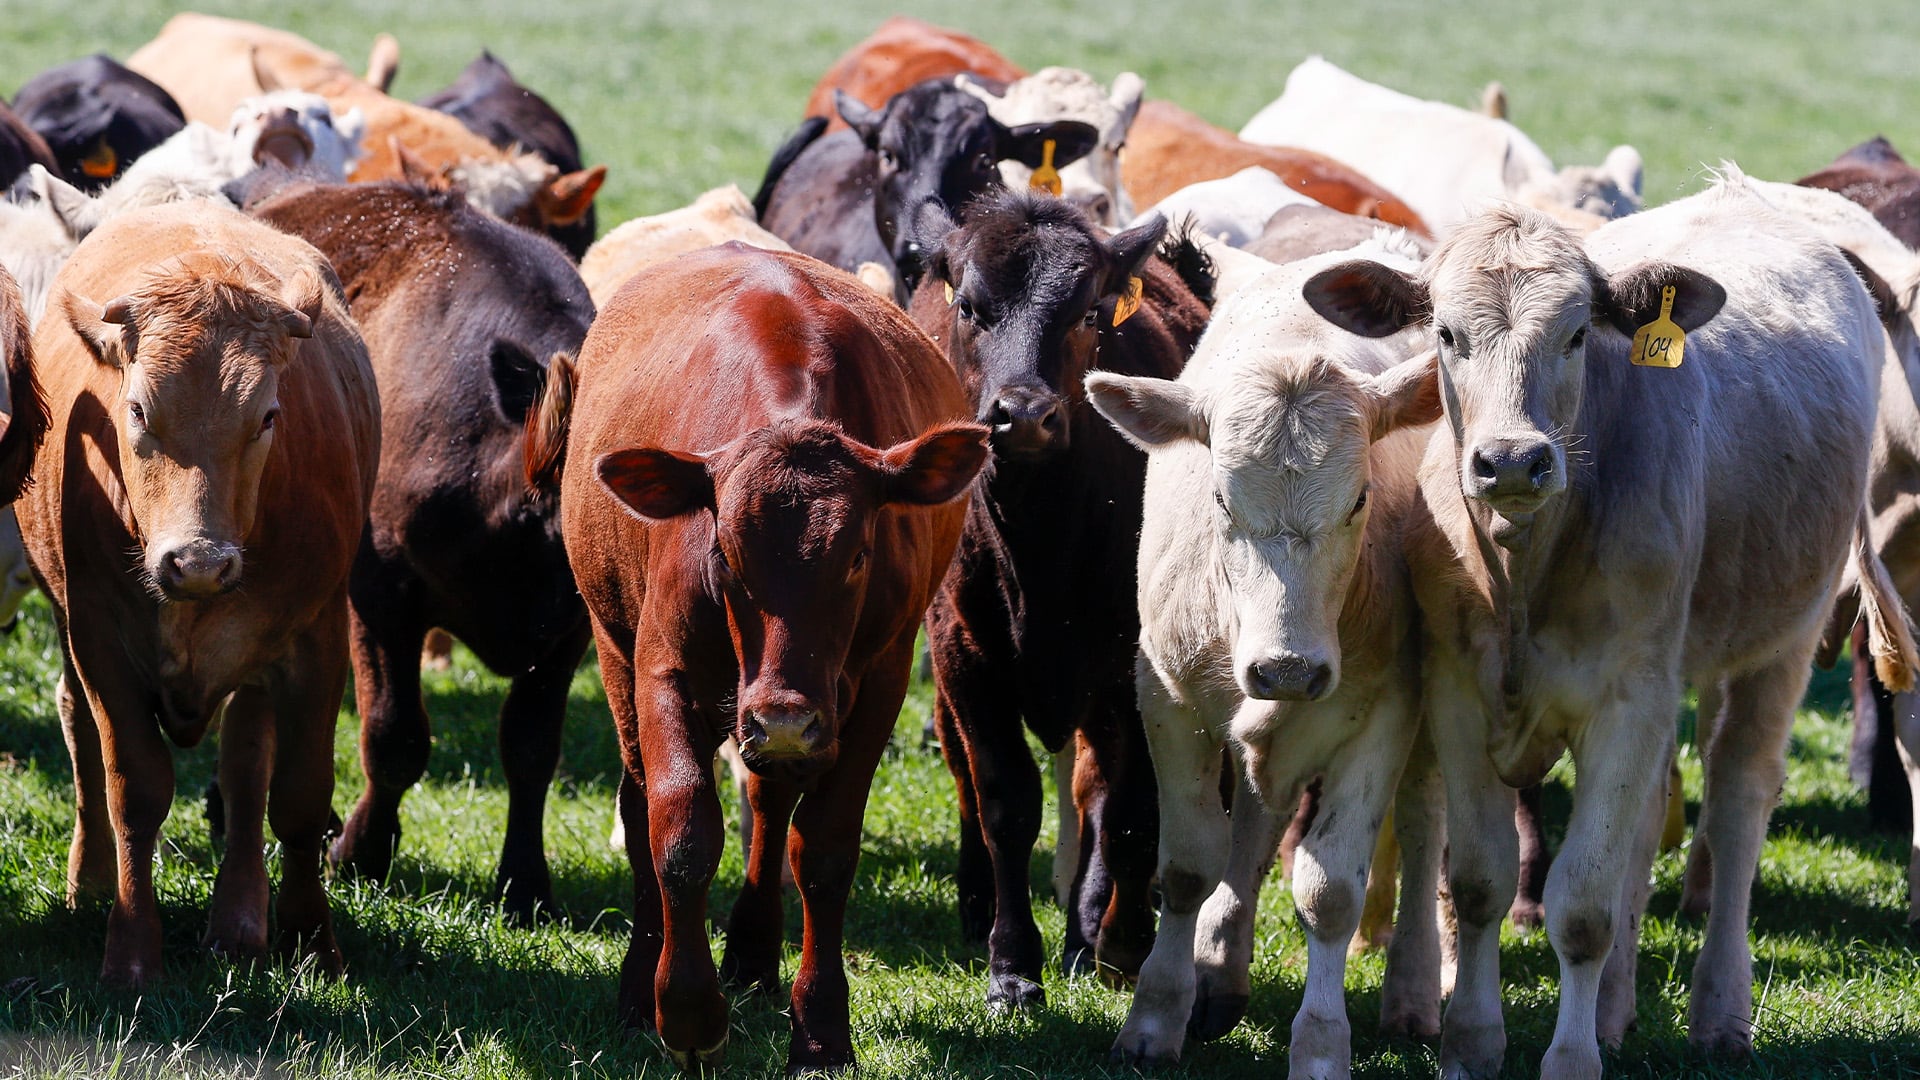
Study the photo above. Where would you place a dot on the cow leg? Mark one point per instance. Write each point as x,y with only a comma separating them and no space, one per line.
1696,882
1529,909
1124,836
1066,846
394,735
1224,937
754,929
237,916
1745,769
90,859
306,704
1194,848
1410,991
1906,711
1376,914
1615,1012
974,875
530,725
635,1003
1874,760
137,775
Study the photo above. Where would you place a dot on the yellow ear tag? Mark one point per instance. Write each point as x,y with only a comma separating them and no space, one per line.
1046,177
1661,343
1128,303
949,294
101,163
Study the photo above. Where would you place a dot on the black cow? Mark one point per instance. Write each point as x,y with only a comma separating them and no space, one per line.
98,118
488,100
843,197
1036,619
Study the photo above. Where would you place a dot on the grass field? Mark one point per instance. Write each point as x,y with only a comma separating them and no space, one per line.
679,97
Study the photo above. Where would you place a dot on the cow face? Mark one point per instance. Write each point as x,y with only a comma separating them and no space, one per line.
1093,182
794,509
1034,289
199,349
936,144
1289,443
1511,297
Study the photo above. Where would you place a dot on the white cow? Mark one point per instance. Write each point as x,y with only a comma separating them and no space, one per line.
1277,621
1234,208
1443,161
1058,93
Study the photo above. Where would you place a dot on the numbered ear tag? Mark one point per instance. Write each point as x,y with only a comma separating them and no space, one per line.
1046,178
1128,303
1661,343
949,294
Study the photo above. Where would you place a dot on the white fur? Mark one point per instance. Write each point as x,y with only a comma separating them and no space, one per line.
1058,93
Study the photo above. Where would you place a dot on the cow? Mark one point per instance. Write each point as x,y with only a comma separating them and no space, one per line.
213,442
207,64
487,99
23,413
761,469
1277,623
1035,623
1060,93
848,198
16,577
900,53
1598,533
1874,175
1442,159
1169,148
97,117
1236,208
716,217
20,148
463,316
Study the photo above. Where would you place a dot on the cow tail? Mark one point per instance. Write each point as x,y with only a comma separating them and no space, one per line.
810,129
28,424
1889,630
546,433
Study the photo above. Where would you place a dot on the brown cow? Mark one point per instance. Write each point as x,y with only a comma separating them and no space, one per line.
903,51
1169,148
23,413
759,495
215,423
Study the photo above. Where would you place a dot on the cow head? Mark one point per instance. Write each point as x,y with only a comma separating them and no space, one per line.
794,508
1289,443
935,143
1511,297
199,347
1034,287
1058,93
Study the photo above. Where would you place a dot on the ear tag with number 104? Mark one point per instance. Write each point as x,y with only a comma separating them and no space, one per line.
1661,343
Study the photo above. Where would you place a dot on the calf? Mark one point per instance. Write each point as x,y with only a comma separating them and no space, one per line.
1035,621
493,105
1277,623
97,117
758,475
846,198
215,435
1169,148
903,52
463,316
1598,534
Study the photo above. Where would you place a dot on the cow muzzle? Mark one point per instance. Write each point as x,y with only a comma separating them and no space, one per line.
1287,677
784,731
282,139
1026,422
197,569
1515,475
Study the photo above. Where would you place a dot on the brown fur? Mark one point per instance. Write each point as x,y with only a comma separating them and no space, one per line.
27,424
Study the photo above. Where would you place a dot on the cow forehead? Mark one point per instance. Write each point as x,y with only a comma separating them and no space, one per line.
794,497
1296,415
1510,272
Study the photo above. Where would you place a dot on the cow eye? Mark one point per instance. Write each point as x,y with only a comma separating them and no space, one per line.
1446,337
859,563
888,160
965,308
138,414
1358,505
267,421
1092,317
720,563
985,163
1579,337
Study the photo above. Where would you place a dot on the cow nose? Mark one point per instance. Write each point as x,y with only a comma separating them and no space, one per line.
1288,678
1512,467
1024,421
199,568
783,733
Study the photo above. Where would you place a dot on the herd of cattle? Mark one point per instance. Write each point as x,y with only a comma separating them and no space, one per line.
1454,463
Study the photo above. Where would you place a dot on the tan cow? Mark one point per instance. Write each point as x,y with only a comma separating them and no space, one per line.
1277,621
716,217
1599,535
215,425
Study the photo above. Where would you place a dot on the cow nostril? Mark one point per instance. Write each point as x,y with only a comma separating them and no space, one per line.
1317,685
813,730
1002,414
1050,421
1541,469
751,730
1482,468
1259,679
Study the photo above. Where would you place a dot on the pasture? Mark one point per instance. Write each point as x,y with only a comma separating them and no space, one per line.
679,98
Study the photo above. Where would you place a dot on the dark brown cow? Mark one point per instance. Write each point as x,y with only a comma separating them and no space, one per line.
97,117
1169,148
759,495
1874,175
1036,621
20,147
23,415
903,51
462,314
214,425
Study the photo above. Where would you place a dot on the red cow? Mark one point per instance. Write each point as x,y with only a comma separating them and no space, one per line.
903,51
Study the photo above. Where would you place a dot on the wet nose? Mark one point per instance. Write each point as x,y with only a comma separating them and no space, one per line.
1026,420
1512,467
199,568
1288,678
776,733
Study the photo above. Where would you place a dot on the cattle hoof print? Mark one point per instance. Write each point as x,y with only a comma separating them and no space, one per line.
1216,1014
1011,993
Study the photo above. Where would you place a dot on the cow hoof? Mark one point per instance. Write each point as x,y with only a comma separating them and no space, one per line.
1472,1053
352,855
1571,1063
1527,914
819,1068
1215,1014
1078,962
1726,1044
1139,1050
526,908
699,1061
1411,1023
1011,993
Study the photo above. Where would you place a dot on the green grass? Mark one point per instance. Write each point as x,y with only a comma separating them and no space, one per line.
679,97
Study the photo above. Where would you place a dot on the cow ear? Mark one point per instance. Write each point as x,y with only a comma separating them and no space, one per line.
413,167
1149,412
1365,298
567,198
100,328
1406,394
303,295
76,211
1624,164
656,485
1886,299
1128,88
1128,252
1027,144
965,81
864,121
1630,299
383,61
936,467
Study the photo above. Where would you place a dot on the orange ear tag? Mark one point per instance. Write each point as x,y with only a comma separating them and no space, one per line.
101,163
1661,343
1046,178
1128,303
